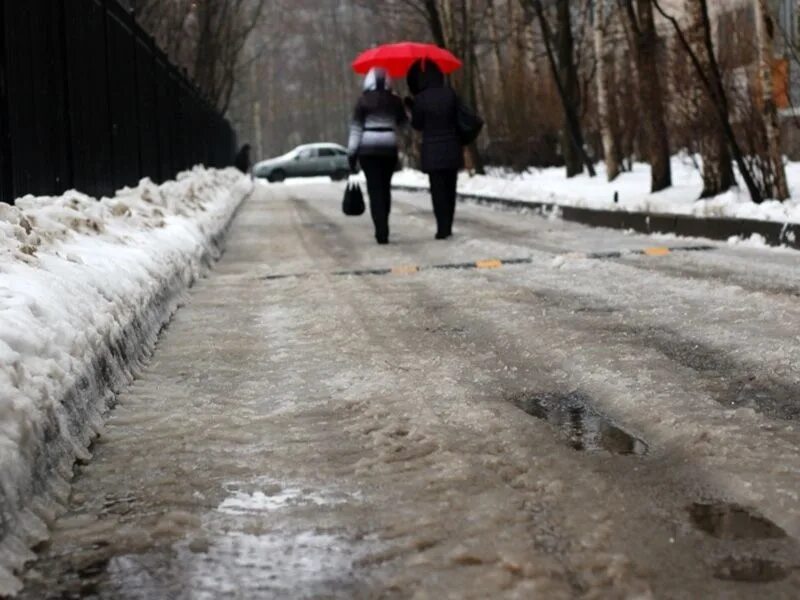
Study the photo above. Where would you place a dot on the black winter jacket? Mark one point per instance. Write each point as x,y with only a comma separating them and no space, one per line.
435,115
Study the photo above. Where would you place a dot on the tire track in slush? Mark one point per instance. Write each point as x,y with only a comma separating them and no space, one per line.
649,472
678,273
731,382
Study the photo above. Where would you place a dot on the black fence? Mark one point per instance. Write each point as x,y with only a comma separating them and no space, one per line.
87,101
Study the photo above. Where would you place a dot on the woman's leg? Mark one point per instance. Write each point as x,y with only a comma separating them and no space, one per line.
443,194
451,183
391,165
385,192
375,169
438,196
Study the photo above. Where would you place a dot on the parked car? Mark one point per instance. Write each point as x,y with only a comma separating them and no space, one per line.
309,160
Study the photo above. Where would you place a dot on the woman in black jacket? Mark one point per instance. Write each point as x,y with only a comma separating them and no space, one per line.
434,113
373,143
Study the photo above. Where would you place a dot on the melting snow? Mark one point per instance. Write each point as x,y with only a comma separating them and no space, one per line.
632,189
85,286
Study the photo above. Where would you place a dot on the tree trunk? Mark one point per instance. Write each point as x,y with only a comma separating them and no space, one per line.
470,77
435,23
611,149
572,119
568,74
765,34
503,115
715,88
644,47
718,174
446,21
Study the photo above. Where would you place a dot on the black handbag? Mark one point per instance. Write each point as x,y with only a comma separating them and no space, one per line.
353,202
468,122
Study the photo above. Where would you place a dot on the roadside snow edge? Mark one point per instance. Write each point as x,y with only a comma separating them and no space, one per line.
85,288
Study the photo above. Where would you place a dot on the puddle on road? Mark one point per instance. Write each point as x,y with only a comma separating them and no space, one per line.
579,424
280,564
752,570
732,522
239,551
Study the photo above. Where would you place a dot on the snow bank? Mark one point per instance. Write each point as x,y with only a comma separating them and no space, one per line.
552,186
85,287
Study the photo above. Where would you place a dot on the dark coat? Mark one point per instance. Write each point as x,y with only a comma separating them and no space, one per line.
242,161
434,113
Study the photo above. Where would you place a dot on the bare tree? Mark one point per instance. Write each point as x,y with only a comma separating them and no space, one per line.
765,38
170,23
611,149
717,166
205,38
564,76
568,75
643,42
709,73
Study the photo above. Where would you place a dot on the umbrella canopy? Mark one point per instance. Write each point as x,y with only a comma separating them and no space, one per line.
398,58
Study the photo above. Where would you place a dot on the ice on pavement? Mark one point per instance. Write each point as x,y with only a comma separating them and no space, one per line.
275,496
278,564
85,286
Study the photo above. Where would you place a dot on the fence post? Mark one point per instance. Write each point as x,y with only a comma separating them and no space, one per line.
69,142
112,180
137,92
6,172
156,116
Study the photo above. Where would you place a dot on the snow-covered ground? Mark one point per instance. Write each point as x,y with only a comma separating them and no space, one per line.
85,287
633,189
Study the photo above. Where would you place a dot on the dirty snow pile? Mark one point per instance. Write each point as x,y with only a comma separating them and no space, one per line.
632,189
85,287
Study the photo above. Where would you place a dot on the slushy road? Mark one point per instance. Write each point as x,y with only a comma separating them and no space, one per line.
533,409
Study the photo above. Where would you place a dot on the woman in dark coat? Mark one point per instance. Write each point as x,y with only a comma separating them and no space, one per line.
242,161
434,113
373,143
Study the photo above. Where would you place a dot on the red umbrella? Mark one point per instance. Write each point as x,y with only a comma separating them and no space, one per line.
398,58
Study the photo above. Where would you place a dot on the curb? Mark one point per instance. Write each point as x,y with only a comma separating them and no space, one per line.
775,234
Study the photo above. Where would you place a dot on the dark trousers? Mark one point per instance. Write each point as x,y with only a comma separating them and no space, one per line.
443,192
379,171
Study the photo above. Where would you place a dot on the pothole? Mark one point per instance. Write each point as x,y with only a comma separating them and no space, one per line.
732,522
581,426
753,570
